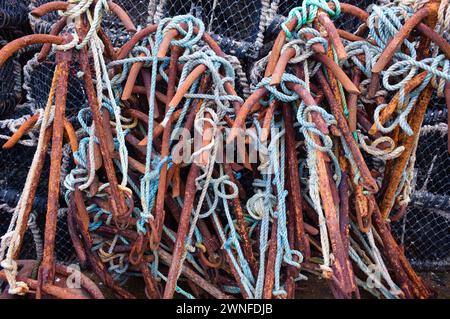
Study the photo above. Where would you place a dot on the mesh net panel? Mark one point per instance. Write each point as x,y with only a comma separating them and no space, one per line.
244,29
10,86
13,13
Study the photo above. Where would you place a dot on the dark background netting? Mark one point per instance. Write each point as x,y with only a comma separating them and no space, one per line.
244,29
38,79
238,26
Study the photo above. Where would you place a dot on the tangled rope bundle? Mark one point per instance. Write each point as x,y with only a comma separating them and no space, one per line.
180,182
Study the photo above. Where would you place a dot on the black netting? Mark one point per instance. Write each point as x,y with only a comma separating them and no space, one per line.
15,165
10,86
38,79
243,28
424,230
137,10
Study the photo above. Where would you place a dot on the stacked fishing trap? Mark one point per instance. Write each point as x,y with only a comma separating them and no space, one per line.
223,149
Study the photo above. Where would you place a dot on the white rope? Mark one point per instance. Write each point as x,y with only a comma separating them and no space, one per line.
34,228
419,4
268,10
212,147
159,11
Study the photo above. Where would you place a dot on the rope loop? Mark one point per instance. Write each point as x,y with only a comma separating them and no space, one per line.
188,38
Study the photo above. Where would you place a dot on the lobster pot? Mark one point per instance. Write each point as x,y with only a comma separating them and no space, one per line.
241,28
424,230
